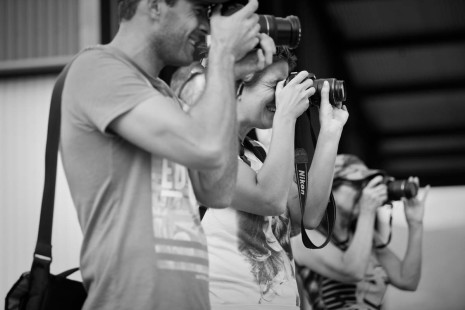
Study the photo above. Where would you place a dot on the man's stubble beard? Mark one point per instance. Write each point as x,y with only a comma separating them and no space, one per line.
171,50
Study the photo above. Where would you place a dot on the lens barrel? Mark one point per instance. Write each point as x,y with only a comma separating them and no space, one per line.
398,189
337,91
284,31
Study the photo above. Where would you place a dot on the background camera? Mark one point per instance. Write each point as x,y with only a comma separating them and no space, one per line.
398,189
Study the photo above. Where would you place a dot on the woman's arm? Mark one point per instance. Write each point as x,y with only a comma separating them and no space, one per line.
320,175
405,274
265,192
349,265
330,261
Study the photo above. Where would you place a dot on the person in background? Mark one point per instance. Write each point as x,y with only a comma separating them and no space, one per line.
355,268
127,145
251,262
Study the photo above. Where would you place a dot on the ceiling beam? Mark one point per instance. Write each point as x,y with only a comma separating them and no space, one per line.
425,133
441,84
453,36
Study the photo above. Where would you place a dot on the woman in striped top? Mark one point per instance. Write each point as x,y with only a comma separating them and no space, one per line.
353,271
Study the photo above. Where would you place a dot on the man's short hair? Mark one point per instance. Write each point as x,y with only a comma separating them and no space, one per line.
127,8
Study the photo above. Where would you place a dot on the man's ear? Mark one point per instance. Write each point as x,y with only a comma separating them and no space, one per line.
154,8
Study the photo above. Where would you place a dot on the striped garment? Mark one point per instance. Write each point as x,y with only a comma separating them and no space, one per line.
321,293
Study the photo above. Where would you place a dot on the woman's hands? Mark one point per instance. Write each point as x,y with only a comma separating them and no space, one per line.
293,99
331,118
414,208
373,195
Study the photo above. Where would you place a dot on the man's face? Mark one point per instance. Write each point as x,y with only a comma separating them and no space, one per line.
258,99
183,26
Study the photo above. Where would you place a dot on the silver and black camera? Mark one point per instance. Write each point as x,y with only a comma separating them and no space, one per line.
398,189
337,90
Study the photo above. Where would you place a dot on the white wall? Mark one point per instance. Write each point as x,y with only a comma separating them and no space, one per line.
442,285
24,107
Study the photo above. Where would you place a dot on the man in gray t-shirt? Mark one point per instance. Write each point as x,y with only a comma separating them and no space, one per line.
137,163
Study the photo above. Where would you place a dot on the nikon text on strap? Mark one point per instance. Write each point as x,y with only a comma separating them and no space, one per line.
301,173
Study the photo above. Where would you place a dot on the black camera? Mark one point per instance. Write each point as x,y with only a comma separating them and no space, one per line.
398,189
337,91
285,31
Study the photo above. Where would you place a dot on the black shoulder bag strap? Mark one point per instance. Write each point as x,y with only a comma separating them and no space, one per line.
43,251
303,149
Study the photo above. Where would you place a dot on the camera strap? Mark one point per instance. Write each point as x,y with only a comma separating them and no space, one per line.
302,152
301,173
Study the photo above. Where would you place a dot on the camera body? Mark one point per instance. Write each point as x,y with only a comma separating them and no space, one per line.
398,189
337,91
285,31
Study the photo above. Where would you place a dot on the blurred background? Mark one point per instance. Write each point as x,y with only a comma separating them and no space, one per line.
403,62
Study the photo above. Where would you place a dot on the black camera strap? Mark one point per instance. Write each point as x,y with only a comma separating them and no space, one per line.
303,126
301,173
43,250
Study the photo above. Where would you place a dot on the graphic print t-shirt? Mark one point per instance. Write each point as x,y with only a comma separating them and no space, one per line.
251,263
143,245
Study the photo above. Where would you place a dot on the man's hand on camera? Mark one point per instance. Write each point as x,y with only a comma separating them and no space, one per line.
414,208
374,194
237,33
331,118
257,59
292,99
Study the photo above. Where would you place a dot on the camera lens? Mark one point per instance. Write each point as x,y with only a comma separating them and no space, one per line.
337,91
398,189
284,31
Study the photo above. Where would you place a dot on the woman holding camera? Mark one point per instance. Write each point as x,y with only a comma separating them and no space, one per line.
353,271
251,263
